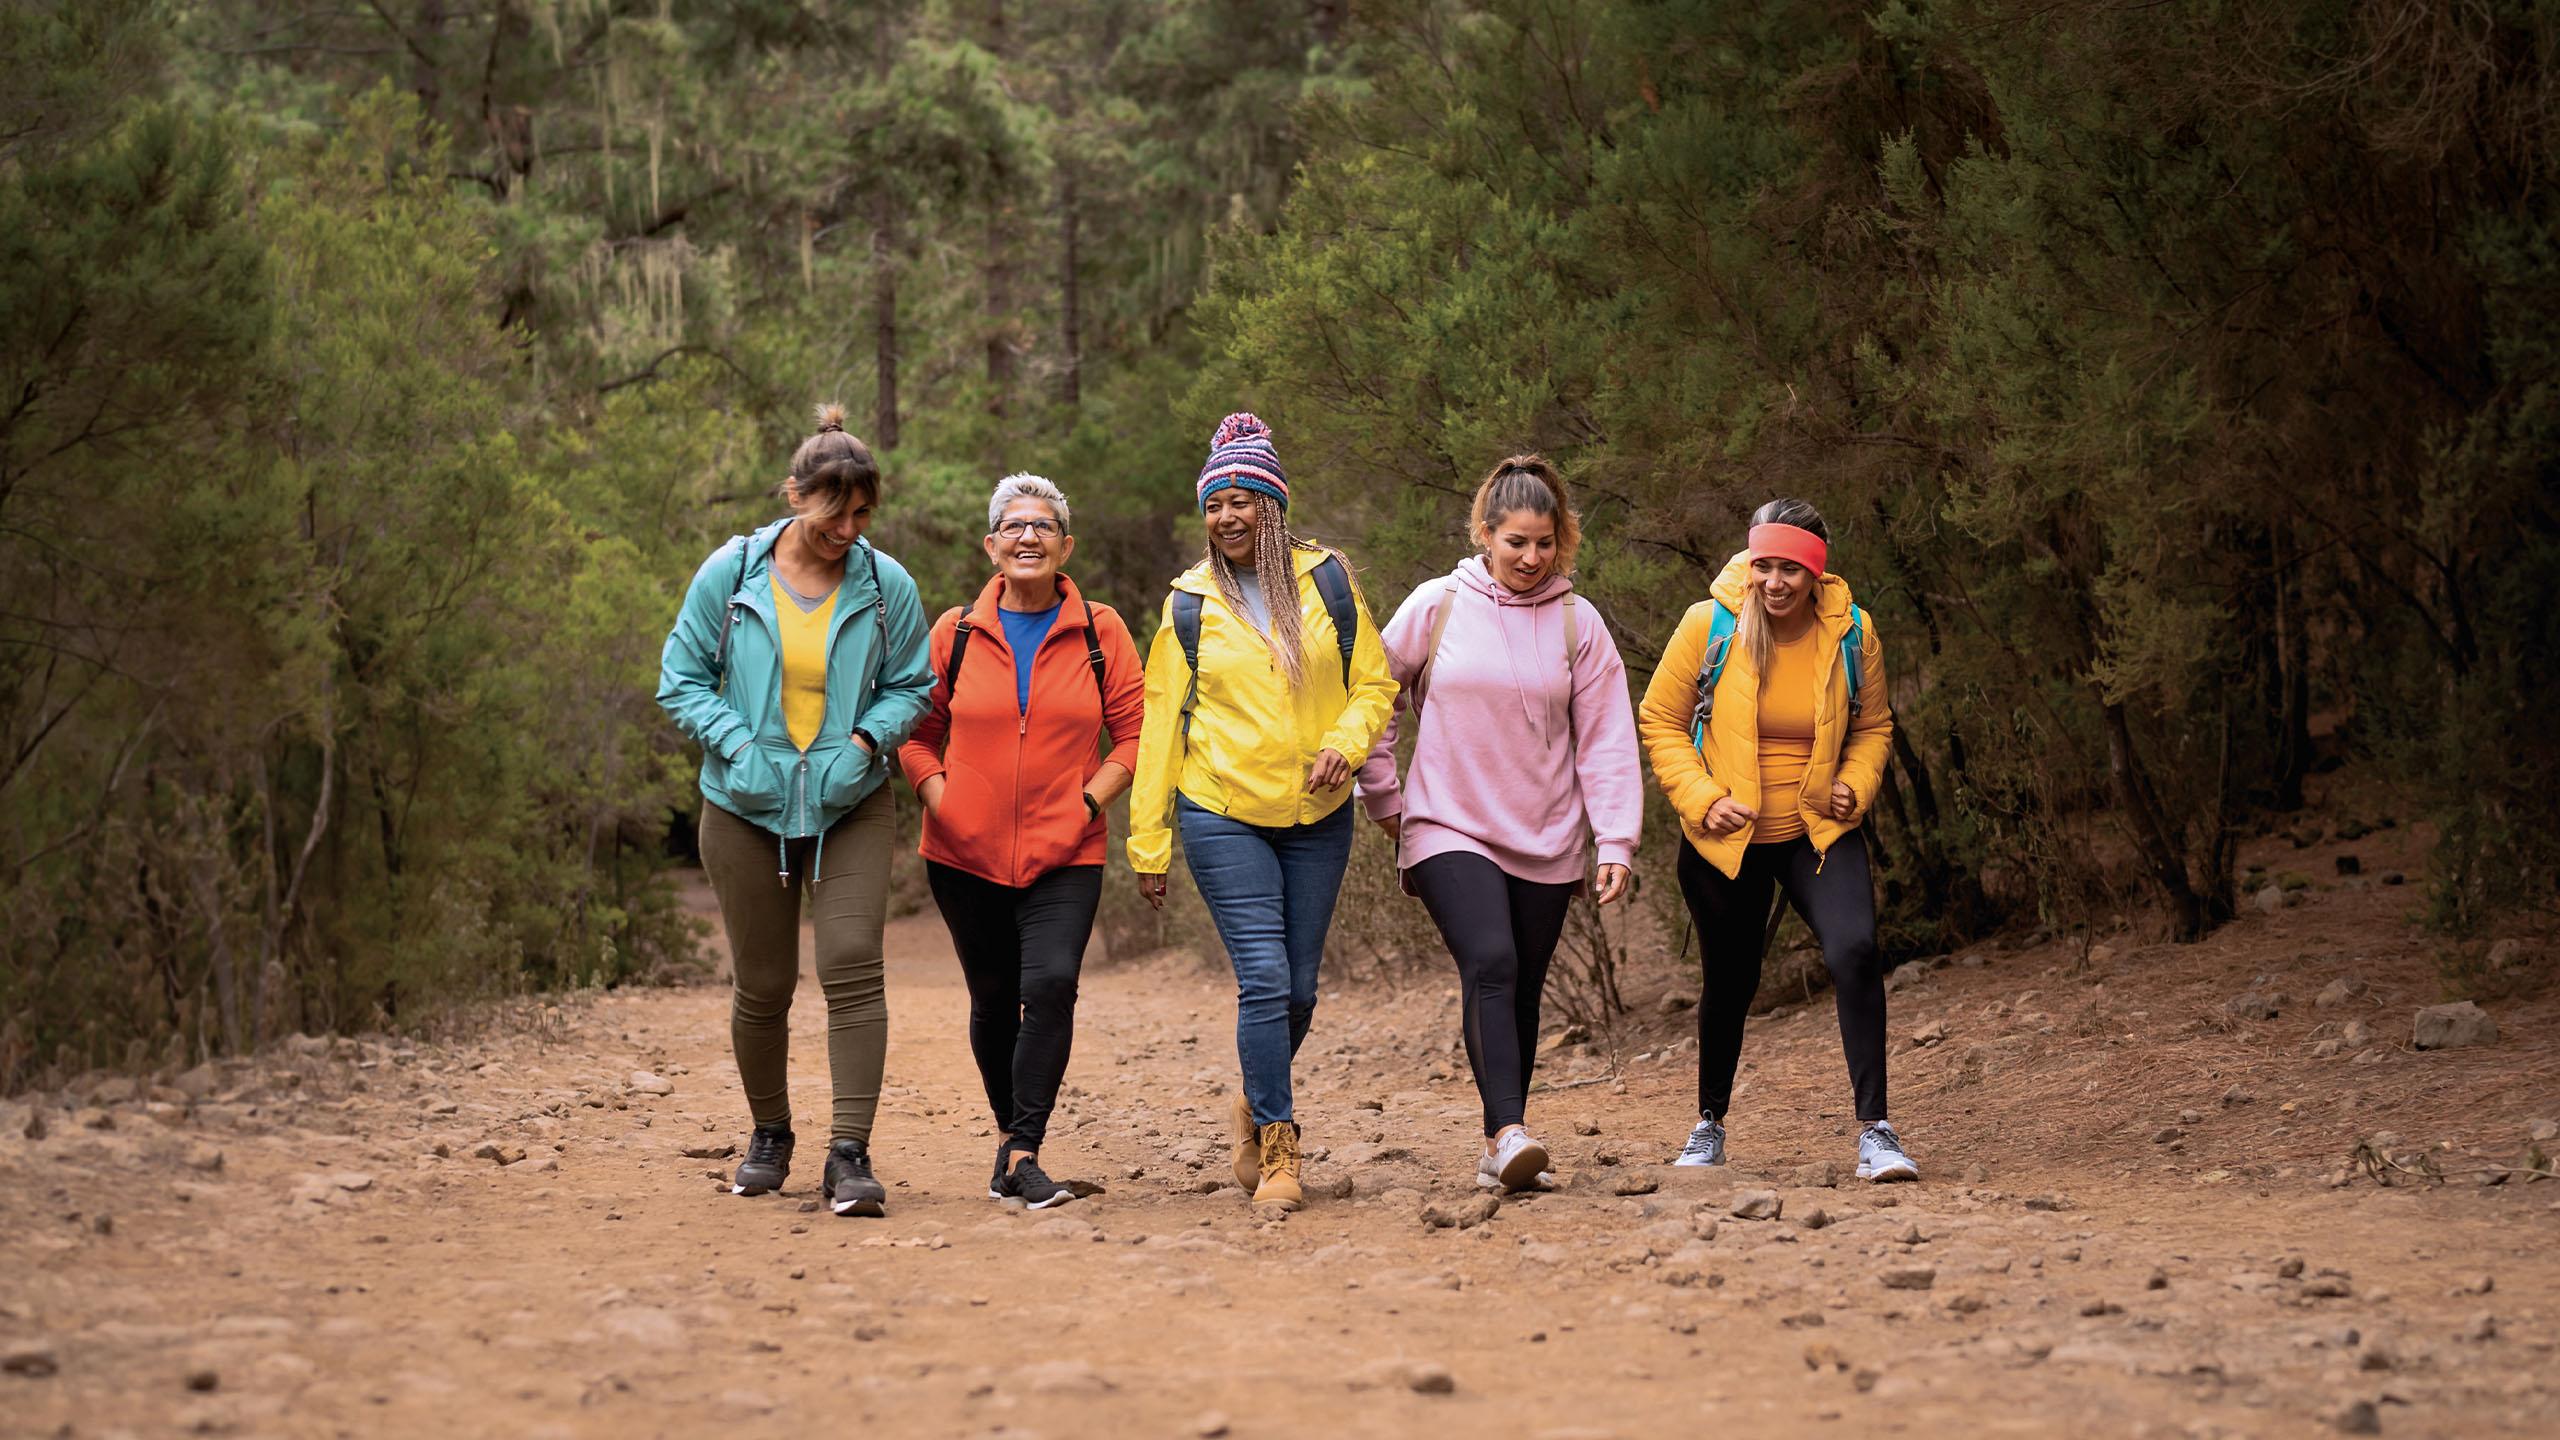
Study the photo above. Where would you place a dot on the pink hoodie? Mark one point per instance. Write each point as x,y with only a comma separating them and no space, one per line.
1498,770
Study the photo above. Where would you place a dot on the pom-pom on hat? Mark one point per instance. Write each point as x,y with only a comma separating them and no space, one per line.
1240,454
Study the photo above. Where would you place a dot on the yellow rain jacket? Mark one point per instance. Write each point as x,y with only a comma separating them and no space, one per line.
1252,740
1843,750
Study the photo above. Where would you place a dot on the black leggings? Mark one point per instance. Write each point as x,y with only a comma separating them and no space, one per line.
1021,950
1502,932
1839,903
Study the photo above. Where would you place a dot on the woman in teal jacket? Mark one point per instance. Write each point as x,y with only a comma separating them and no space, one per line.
798,664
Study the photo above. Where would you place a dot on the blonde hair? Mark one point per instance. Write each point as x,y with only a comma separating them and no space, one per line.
830,468
1275,573
1526,482
1751,627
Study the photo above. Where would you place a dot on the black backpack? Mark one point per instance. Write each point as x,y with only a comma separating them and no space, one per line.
1333,585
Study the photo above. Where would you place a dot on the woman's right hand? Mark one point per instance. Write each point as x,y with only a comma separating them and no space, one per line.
930,792
1728,815
1393,827
1151,889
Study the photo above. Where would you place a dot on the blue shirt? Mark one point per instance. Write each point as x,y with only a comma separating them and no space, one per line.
1024,630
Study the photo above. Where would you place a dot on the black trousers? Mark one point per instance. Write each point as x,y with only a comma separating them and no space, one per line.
1502,932
1021,951
1839,903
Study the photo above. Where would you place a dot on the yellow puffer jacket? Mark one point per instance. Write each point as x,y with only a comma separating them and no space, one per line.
1852,752
1252,740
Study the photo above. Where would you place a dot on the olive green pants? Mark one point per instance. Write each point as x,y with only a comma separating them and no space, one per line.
760,910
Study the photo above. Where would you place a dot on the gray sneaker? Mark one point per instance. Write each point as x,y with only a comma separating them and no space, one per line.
1880,1155
1706,1144
767,1165
850,1188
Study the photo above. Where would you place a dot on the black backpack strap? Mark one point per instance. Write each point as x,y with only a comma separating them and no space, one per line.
729,617
960,634
1093,655
1333,584
1186,629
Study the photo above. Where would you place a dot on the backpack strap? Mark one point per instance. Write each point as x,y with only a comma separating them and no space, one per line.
1186,629
1439,627
1572,648
1333,583
960,633
1093,656
1853,661
729,617
1721,625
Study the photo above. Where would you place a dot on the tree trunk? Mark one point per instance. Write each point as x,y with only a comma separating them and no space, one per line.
884,319
2293,665
2152,833
1070,300
996,265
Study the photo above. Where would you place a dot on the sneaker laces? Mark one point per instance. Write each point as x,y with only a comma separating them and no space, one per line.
1881,1135
1028,1176
1704,1138
764,1147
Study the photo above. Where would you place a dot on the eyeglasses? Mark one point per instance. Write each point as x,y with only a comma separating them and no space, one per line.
1017,529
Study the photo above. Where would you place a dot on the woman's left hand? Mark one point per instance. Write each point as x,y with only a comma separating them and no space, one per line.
1613,884
1330,772
1844,801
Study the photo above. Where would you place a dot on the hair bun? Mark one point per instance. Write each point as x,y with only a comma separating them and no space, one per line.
830,417
1242,425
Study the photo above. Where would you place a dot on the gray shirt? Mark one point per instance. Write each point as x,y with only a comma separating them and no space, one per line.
1256,609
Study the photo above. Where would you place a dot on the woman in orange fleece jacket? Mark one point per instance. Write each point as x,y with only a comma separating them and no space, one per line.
1011,765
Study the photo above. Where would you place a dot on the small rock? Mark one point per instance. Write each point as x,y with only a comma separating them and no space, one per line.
204,1378
2507,954
2237,1096
2329,1285
2322,1050
1820,1175
103,1223
2482,1327
1425,1377
1823,1355
203,1159
2049,1202
36,1129
1461,1214
31,1358
2257,1004
2541,1130
2269,900
2289,1268
2167,1133
709,1152
1635,1182
2159,1280
1756,1205
1586,1126
1910,1235
2190,1117
1910,1277
1211,1425
2451,1027
2477,1285
354,1182
2357,1417
2336,993
2101,1307
1673,1002
643,1082
2355,1035
1815,1218
1933,1033
1977,1174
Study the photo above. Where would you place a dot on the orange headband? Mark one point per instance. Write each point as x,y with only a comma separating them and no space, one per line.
1789,542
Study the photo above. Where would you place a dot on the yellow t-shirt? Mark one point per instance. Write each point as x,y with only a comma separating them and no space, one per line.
804,662
1786,736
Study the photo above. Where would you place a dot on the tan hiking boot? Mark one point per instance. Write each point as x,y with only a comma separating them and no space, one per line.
1248,1145
1280,1167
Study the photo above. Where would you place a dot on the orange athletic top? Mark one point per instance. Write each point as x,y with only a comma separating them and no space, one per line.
1786,736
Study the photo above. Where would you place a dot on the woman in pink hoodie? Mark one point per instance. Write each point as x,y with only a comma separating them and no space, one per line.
1525,753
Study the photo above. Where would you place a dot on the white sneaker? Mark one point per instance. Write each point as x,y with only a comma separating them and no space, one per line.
1516,1162
1880,1155
1706,1144
1489,1177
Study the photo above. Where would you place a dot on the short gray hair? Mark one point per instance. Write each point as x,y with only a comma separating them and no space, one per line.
1021,486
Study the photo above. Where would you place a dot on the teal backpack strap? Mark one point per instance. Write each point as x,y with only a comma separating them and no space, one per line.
1186,629
1853,660
1719,648
1333,584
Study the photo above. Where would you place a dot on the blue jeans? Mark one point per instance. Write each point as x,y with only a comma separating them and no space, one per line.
1271,891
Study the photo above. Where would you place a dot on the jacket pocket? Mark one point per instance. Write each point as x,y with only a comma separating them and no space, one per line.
752,783
840,782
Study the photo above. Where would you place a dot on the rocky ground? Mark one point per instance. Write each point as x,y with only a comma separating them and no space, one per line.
2143,1213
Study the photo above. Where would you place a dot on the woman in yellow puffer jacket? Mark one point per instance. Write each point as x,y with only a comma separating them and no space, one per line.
1770,790
1265,677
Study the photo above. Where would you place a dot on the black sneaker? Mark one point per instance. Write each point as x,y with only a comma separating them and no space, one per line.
1031,1185
850,1190
767,1165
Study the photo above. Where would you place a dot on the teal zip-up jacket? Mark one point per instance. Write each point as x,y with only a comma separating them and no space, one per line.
878,681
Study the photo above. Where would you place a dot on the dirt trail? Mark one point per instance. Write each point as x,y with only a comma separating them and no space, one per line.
352,1268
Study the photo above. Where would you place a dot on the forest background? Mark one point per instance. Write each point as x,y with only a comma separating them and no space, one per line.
2179,382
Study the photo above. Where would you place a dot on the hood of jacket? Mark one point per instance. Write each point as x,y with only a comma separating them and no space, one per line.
1199,581
1832,601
